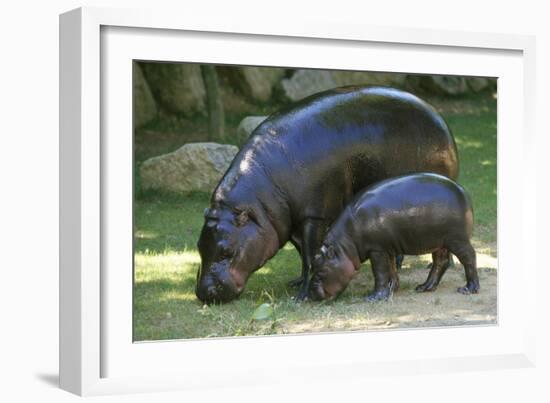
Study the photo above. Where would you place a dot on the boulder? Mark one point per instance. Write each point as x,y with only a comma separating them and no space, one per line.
307,82
145,108
247,126
477,84
193,167
343,78
441,85
256,83
177,87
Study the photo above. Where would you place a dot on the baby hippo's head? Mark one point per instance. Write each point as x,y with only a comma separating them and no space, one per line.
332,272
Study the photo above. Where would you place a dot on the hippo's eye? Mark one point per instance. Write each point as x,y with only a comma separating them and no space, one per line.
241,219
225,251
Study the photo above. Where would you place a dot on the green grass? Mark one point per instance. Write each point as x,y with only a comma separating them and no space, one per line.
167,227
476,138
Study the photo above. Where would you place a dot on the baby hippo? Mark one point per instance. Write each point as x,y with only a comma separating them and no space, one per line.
406,215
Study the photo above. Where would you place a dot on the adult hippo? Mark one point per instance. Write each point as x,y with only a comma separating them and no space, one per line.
299,169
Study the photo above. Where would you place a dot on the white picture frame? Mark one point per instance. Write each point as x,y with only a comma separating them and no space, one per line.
96,355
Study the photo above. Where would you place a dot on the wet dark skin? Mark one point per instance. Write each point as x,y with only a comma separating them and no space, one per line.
408,215
300,168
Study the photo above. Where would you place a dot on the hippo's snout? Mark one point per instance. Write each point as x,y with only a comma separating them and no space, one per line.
211,290
317,292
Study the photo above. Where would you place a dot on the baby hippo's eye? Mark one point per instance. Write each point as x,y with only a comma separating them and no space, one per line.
330,252
317,258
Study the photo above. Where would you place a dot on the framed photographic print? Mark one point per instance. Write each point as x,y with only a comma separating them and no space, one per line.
204,166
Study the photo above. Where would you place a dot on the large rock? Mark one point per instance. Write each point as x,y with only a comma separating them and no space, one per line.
343,78
145,108
256,83
178,87
247,126
307,82
193,167
441,85
477,84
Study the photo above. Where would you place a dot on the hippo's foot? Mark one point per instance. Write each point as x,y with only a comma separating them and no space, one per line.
472,287
427,286
301,296
296,283
385,293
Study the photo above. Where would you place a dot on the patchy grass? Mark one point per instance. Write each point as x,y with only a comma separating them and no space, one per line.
166,261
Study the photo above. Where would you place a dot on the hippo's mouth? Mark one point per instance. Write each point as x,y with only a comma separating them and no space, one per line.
317,291
219,285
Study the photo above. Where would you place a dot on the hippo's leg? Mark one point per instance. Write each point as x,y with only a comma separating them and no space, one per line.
297,282
386,280
466,254
398,262
313,232
451,262
440,263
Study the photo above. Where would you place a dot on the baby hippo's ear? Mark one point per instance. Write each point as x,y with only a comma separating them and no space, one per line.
328,251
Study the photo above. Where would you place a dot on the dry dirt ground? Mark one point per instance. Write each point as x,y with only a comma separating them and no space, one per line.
409,309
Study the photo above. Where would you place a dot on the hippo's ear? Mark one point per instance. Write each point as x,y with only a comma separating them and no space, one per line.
211,213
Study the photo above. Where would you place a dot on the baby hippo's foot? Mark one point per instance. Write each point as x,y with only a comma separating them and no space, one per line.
381,295
384,293
427,286
472,287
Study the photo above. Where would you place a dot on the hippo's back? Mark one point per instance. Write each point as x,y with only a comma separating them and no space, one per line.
413,191
412,207
331,145
375,132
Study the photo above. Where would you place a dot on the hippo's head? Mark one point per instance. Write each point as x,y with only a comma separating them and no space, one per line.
332,272
232,245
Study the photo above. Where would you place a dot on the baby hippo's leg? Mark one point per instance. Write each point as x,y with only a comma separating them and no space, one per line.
440,263
451,262
386,280
466,254
399,262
